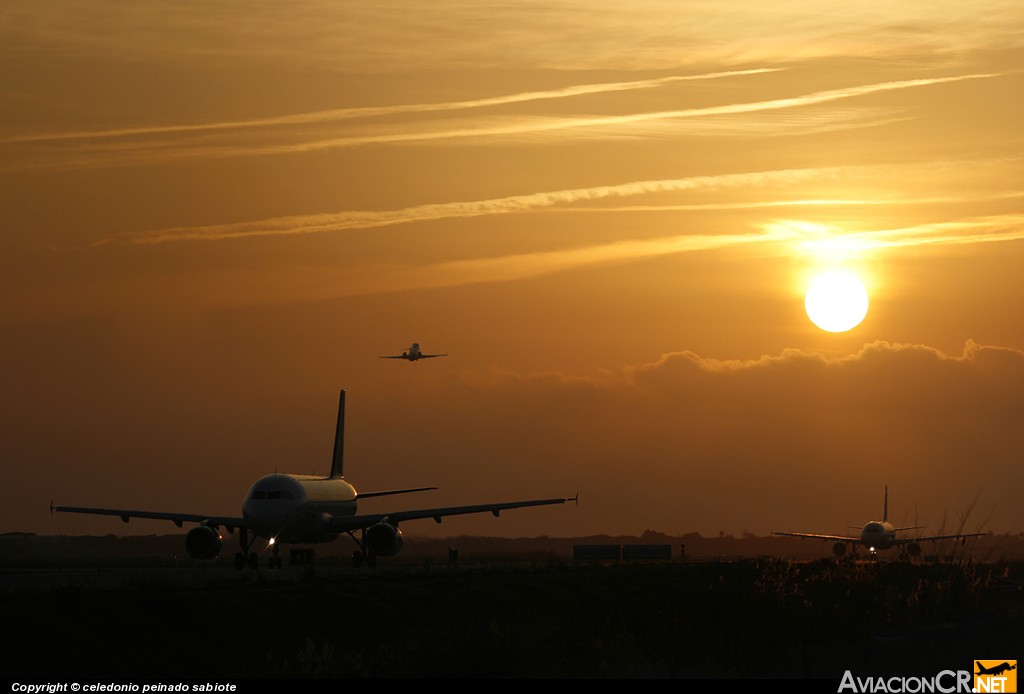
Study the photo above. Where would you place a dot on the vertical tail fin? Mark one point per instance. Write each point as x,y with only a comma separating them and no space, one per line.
338,461
885,507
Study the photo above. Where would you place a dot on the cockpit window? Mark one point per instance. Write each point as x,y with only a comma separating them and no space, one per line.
273,494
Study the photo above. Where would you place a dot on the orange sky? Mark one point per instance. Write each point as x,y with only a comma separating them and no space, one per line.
215,217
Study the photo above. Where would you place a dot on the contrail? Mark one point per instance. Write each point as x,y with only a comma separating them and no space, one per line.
990,229
512,267
341,221
371,219
816,202
144,153
521,266
524,265
556,124
374,111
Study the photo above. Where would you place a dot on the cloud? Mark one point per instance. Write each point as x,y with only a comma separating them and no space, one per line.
386,37
796,440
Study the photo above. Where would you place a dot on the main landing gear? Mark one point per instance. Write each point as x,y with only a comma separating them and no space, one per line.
362,556
252,560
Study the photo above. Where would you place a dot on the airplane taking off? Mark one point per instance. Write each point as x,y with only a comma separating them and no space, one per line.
879,535
414,354
306,509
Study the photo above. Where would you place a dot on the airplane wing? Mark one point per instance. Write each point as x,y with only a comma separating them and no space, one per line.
816,536
960,536
431,356
390,492
176,518
348,523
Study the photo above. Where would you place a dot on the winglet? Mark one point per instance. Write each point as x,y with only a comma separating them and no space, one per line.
885,507
338,461
576,499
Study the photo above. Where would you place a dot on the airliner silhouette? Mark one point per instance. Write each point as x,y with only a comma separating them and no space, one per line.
414,354
995,669
881,535
305,509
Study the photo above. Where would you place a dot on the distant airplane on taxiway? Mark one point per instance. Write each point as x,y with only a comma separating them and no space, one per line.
880,535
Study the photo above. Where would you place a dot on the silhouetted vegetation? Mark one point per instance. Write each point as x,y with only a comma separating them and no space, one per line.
765,617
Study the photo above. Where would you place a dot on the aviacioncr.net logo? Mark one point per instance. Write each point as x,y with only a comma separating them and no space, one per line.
995,676
946,682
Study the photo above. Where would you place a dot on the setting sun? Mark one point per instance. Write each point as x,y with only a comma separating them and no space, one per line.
836,301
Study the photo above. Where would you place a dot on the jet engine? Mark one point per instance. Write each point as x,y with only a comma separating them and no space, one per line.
203,542
839,549
913,549
383,539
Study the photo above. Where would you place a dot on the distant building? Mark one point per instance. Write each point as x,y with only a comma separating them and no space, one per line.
596,552
647,552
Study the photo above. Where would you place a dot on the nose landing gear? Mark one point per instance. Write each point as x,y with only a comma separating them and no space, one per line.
245,558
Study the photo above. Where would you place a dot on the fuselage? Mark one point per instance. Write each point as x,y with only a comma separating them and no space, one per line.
297,508
878,535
